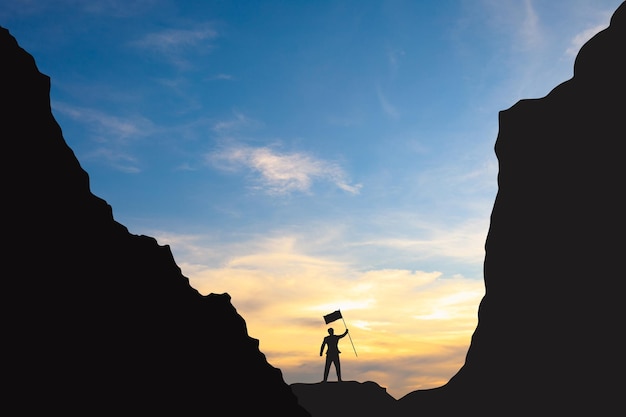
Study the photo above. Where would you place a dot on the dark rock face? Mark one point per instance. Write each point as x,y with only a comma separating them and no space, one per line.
347,398
98,320
549,341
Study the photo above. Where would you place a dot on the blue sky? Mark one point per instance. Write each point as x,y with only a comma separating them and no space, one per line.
306,156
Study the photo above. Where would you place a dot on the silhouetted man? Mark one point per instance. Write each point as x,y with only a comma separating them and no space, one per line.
332,353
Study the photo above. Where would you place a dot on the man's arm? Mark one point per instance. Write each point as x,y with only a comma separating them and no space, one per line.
344,333
322,348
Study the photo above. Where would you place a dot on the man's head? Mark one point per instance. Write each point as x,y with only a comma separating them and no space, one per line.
331,331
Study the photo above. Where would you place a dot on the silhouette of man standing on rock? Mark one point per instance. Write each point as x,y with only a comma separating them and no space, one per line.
332,352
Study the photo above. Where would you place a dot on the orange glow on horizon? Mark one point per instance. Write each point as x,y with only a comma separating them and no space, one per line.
411,329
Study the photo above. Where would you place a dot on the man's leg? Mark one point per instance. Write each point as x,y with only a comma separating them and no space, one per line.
338,368
326,368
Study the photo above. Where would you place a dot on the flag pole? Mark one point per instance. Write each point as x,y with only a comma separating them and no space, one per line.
344,325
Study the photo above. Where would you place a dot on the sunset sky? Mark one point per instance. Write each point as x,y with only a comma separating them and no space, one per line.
308,156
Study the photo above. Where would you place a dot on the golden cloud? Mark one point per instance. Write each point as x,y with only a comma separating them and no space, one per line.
410,329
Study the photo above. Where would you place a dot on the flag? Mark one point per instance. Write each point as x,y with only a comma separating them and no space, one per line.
335,315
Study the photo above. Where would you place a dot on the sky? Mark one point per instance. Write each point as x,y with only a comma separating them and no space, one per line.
309,156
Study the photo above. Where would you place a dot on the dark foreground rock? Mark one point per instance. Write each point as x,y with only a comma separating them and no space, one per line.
347,398
549,337
98,321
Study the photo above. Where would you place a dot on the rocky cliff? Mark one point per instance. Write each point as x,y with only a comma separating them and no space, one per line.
548,340
98,321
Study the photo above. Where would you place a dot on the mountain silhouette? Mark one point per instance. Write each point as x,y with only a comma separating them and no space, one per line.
548,340
99,320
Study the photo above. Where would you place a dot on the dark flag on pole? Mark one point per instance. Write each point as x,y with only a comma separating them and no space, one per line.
335,315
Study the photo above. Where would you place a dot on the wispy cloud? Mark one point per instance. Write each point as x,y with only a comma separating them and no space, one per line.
112,134
530,29
173,44
107,126
581,38
225,77
281,173
462,243
518,22
237,122
394,56
170,39
117,159
387,107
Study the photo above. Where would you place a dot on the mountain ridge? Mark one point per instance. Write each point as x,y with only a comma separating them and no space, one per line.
102,320
545,339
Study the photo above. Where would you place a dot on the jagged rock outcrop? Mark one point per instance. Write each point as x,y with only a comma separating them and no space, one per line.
549,340
99,321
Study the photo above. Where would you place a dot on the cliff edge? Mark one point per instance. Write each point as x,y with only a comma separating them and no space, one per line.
547,340
101,321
